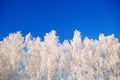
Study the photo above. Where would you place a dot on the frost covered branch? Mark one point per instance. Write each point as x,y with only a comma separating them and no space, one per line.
29,58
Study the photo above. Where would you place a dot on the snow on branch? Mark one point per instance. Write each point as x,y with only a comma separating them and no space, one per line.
29,58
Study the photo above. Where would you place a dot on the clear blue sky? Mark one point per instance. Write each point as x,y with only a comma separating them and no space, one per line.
91,17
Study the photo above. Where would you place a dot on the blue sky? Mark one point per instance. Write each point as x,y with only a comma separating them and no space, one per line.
91,17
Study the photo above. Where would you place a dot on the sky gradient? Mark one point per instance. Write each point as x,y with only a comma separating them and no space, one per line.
90,17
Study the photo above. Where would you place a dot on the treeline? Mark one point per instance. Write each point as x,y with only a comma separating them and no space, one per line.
29,58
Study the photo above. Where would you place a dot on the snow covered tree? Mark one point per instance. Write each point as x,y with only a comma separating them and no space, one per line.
29,58
11,55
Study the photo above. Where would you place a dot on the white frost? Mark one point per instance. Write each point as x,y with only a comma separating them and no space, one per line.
29,58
